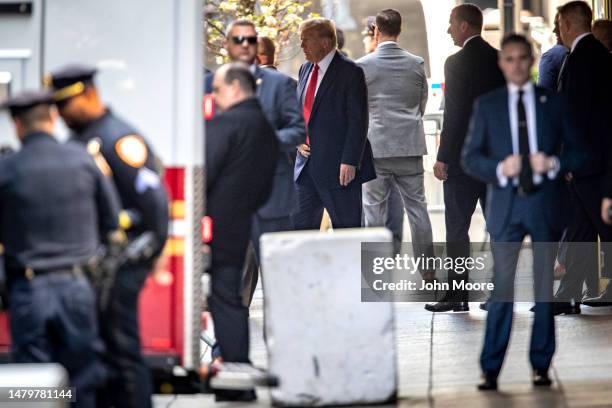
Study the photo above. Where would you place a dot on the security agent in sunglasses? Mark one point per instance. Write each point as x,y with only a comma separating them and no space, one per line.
123,154
56,208
278,97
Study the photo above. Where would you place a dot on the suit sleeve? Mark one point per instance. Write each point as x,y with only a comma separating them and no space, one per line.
454,94
474,157
293,130
107,201
357,114
546,77
424,88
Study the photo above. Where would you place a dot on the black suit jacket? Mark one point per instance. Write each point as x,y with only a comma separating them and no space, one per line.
586,82
277,95
241,157
469,73
338,126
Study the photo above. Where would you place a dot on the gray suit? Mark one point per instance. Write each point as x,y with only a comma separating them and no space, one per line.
397,95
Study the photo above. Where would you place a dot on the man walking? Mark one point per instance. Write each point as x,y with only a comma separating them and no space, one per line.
468,74
397,95
336,158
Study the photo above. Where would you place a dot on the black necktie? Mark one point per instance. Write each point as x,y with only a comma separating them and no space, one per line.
526,175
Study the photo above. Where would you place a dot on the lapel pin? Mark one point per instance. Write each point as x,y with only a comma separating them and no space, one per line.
543,99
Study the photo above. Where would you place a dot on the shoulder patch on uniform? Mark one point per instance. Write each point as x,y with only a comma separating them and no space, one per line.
132,150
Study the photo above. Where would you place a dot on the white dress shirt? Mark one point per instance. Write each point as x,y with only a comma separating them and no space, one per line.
577,40
468,39
386,42
530,113
323,66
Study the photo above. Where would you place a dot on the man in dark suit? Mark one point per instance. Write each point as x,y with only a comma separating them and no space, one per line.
336,158
513,145
277,95
468,74
240,174
587,84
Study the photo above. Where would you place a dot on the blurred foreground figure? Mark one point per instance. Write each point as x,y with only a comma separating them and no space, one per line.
123,154
56,208
240,145
513,146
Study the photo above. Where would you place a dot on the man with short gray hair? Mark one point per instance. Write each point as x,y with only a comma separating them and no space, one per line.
397,95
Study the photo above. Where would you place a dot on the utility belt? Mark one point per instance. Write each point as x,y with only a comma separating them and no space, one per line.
32,273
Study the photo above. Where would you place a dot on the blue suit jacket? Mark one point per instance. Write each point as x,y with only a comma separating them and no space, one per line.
338,126
489,141
550,65
277,95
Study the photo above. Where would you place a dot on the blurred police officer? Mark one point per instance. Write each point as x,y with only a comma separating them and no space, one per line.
54,207
125,155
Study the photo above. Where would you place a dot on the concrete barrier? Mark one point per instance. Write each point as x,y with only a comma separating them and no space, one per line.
325,346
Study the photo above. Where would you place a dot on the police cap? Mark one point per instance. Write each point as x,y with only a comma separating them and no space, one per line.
21,102
69,80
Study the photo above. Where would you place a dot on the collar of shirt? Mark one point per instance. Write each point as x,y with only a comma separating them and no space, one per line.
527,88
253,69
325,62
577,40
385,43
469,39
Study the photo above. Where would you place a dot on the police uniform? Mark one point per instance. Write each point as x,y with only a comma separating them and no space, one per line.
55,205
122,153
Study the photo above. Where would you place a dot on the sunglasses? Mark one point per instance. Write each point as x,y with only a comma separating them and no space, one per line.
240,39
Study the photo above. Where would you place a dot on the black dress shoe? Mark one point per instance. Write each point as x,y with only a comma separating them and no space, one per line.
541,378
605,299
483,305
489,382
566,308
448,306
235,395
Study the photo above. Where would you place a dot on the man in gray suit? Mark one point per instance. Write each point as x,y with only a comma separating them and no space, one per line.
397,94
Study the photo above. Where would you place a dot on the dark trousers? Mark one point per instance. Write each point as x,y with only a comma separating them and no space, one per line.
461,194
230,315
585,226
130,383
506,246
343,204
53,319
253,260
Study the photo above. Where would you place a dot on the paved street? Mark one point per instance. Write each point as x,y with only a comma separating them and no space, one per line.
438,361
438,356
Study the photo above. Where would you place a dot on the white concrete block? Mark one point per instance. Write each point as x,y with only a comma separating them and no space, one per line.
324,344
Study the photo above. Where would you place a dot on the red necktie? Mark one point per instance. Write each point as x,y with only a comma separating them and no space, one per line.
310,97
